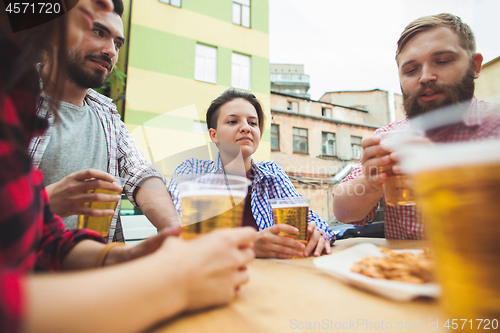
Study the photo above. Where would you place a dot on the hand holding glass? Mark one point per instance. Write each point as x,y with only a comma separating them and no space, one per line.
100,224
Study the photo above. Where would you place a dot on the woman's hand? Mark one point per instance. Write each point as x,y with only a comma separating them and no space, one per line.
270,245
316,240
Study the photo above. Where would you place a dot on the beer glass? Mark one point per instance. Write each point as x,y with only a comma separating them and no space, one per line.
292,211
211,201
100,224
457,187
396,189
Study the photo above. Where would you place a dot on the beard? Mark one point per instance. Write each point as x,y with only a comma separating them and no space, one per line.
455,93
86,77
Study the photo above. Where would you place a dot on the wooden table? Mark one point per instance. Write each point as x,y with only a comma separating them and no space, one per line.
292,295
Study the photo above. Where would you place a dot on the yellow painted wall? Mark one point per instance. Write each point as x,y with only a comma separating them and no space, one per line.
488,83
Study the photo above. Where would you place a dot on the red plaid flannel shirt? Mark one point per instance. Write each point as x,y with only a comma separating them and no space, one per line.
31,236
405,222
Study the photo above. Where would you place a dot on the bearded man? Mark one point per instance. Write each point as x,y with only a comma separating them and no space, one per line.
437,64
86,144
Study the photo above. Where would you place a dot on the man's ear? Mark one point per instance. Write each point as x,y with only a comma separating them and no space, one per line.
213,135
477,61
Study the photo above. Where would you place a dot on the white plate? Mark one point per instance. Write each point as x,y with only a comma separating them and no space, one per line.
339,264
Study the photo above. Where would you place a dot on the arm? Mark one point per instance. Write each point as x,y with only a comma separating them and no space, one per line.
356,198
208,271
145,186
155,202
270,244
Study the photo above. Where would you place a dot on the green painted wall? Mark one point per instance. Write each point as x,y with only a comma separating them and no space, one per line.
172,122
172,54
223,10
224,66
259,15
260,75
175,55
220,9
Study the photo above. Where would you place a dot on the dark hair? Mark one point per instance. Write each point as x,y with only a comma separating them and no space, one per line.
228,96
118,4
426,23
19,52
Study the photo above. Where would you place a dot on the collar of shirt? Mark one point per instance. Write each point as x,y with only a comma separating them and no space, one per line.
259,173
91,96
473,115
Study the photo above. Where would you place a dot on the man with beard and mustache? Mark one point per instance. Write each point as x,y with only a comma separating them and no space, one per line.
86,144
437,63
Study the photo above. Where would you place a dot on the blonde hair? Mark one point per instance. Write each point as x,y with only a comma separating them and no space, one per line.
464,32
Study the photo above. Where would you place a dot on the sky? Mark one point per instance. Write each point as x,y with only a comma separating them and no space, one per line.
351,44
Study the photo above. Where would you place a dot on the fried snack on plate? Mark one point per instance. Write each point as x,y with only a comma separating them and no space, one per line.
404,267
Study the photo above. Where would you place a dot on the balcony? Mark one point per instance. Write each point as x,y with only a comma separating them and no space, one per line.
285,79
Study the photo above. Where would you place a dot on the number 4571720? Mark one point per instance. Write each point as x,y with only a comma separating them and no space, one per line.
485,324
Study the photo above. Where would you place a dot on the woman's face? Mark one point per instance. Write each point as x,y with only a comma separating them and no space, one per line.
237,124
81,18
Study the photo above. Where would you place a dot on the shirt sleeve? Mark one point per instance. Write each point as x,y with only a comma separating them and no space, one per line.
133,165
373,212
284,188
57,241
185,168
11,300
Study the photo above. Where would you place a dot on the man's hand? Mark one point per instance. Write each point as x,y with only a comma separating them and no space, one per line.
374,156
270,245
316,240
68,196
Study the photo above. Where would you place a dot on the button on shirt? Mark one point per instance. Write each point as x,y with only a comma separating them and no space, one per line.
405,222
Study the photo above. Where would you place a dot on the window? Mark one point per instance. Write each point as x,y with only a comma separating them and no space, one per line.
275,137
292,106
328,143
300,140
241,12
205,67
240,71
176,3
326,112
356,147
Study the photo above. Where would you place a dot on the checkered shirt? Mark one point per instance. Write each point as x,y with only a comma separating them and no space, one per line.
31,236
405,222
270,181
125,158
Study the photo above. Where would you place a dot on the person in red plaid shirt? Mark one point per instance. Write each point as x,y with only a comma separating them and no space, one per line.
437,64
171,276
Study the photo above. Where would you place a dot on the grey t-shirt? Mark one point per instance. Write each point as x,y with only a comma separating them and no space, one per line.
77,143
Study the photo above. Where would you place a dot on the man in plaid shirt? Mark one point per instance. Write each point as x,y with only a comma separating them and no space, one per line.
89,141
437,64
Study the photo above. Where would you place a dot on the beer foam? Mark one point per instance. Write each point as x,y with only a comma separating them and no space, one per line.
417,158
215,193
298,204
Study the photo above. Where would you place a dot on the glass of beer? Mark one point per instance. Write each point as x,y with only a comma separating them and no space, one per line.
396,189
100,224
211,201
293,211
457,187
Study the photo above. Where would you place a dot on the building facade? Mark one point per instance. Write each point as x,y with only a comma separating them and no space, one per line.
313,140
488,83
181,55
384,107
289,79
